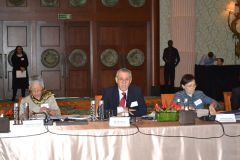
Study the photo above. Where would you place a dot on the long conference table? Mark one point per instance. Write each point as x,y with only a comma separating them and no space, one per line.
145,140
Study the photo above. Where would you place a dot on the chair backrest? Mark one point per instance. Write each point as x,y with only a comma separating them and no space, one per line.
97,100
227,100
167,99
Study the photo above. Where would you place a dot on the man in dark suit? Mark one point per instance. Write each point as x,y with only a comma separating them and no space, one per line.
124,97
171,59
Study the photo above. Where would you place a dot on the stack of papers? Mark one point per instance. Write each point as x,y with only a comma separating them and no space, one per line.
69,117
77,117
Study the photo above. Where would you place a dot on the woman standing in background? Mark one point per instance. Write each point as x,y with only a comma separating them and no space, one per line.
19,72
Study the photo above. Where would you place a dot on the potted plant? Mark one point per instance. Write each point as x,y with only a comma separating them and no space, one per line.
166,113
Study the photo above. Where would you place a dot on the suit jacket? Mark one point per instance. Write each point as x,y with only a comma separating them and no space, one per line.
111,100
235,98
171,56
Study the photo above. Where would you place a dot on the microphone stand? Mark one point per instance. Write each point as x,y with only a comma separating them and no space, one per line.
47,120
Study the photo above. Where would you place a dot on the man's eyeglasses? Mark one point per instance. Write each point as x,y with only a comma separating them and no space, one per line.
123,80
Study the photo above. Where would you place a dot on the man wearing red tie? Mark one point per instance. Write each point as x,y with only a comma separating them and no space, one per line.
124,98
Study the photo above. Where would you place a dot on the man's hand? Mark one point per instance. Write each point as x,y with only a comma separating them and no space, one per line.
130,111
212,110
22,69
125,111
44,109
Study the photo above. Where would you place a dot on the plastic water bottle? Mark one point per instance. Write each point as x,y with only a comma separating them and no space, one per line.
101,110
26,111
93,111
16,114
179,103
185,103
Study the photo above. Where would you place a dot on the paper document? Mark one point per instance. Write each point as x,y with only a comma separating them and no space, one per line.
46,105
21,74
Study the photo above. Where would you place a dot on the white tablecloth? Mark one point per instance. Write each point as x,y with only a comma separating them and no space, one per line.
88,145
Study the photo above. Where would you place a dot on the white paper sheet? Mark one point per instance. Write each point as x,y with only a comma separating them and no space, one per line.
21,74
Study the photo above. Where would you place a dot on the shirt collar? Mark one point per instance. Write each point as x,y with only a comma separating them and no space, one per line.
120,92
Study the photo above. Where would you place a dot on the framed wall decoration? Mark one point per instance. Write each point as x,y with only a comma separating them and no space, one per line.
77,3
109,3
50,58
78,58
136,3
16,3
109,57
135,57
10,57
50,3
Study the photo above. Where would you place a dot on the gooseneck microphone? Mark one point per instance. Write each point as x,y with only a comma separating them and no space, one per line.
47,120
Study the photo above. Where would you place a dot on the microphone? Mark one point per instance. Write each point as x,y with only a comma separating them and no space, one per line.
47,120
208,117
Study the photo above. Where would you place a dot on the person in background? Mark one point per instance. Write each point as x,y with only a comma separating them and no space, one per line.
171,59
219,61
195,99
208,59
39,100
20,64
124,97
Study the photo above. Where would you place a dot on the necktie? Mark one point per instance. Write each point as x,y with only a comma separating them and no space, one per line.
123,100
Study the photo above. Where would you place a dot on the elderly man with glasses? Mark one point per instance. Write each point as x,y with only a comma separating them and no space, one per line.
124,97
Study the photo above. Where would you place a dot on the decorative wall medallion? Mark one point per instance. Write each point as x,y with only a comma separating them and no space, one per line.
109,57
137,3
109,3
50,58
135,57
77,3
49,3
10,57
10,54
77,58
16,3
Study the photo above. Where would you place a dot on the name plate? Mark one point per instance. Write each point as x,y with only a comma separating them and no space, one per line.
119,121
37,122
225,118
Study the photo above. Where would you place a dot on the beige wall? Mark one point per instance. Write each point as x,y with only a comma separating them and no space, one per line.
211,32
181,20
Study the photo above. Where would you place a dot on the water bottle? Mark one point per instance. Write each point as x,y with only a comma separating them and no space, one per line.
93,111
101,110
16,114
26,111
185,104
179,103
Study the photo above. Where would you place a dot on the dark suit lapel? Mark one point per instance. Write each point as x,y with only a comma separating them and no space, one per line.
129,95
116,96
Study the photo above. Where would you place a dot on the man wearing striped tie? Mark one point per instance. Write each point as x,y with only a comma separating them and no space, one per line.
124,98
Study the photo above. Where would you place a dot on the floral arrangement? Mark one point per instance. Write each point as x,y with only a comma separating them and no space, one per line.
164,108
166,113
7,113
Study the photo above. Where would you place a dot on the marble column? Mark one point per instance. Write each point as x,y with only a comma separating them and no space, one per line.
183,33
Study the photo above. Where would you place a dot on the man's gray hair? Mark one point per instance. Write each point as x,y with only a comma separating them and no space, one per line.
36,79
124,70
